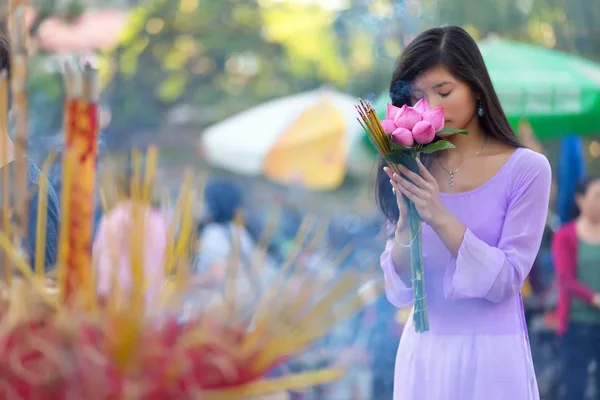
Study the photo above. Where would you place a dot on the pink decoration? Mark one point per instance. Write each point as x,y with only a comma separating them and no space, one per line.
112,249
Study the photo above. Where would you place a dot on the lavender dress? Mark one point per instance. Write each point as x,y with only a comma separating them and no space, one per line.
477,347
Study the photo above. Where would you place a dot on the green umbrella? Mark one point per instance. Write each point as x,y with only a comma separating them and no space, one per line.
557,93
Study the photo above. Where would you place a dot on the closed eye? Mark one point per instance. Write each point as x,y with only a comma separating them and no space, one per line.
444,95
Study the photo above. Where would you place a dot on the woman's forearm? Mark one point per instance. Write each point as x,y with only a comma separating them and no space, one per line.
401,254
451,231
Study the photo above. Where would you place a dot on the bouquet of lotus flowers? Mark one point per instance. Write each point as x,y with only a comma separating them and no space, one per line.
400,138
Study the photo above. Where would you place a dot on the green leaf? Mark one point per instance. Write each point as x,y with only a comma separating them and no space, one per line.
450,131
398,147
403,157
437,146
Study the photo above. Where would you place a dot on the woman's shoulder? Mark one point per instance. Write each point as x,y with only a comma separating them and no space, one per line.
524,156
527,167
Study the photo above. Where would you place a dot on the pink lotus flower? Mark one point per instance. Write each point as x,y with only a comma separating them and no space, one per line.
404,117
388,126
435,117
403,136
392,111
423,132
422,105
419,123
407,117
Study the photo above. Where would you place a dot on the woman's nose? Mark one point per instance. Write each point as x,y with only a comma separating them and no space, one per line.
433,101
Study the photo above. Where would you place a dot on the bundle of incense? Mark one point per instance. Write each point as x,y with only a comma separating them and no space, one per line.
51,348
18,79
370,122
79,177
220,353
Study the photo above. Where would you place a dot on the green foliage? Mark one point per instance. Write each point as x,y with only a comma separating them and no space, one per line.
451,131
46,99
224,56
202,52
568,25
437,146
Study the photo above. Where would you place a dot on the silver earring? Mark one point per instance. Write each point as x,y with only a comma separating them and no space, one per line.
480,110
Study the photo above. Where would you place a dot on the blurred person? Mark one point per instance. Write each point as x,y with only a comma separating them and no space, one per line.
576,253
480,235
112,245
34,175
540,292
571,170
221,227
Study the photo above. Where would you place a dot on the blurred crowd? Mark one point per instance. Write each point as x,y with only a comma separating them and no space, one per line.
561,295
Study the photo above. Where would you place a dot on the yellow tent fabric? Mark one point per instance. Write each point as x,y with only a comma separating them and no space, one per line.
313,150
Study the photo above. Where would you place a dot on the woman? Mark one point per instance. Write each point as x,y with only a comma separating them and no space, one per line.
220,233
576,253
481,232
113,247
217,232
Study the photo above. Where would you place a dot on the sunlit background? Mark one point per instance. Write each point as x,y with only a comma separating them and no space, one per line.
180,73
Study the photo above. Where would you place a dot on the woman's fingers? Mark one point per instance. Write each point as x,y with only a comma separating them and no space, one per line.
410,195
415,178
425,174
388,171
422,193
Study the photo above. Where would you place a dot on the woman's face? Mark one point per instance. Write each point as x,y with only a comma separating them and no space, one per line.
442,89
589,202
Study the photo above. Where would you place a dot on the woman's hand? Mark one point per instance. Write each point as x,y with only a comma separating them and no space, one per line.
401,227
423,191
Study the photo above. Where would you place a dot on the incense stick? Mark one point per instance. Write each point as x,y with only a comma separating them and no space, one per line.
19,74
40,240
6,203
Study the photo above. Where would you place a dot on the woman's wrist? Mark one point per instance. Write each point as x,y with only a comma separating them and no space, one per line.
442,221
401,234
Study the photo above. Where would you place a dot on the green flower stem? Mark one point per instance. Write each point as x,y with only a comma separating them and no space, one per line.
420,317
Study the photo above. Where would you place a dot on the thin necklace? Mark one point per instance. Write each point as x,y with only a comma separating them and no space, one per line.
451,173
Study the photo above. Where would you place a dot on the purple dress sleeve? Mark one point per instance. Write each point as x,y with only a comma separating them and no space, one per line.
497,273
396,290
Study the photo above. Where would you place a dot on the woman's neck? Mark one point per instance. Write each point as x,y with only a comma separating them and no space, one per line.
466,145
588,230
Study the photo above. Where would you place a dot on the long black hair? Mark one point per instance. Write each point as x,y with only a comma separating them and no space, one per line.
580,190
454,48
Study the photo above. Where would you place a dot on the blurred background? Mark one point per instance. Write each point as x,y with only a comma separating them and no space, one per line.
260,93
